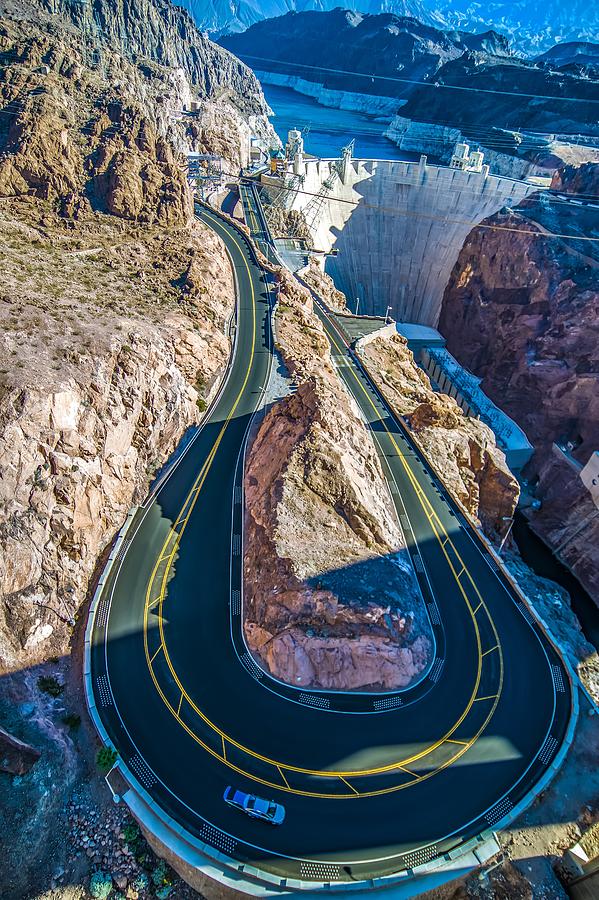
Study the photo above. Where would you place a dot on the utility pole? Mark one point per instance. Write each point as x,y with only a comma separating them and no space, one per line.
509,519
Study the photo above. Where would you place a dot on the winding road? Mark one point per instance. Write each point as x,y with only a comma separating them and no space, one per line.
371,784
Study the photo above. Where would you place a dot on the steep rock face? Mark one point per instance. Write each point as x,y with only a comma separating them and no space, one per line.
330,597
522,311
87,127
462,449
89,410
500,81
578,179
160,31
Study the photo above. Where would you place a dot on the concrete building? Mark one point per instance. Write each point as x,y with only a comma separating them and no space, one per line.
295,150
465,161
399,227
590,477
451,378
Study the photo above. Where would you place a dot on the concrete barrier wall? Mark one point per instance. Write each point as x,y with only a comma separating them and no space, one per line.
400,234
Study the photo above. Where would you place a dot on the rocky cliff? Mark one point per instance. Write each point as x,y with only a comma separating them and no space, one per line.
462,449
522,311
563,103
112,333
330,596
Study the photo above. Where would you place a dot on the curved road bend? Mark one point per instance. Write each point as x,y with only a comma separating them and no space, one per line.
371,785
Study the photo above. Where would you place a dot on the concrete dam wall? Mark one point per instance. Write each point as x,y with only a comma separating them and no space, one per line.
400,234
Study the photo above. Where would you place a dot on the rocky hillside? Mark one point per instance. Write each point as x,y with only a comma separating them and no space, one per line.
463,449
330,596
389,50
578,57
563,103
473,82
111,333
113,310
522,311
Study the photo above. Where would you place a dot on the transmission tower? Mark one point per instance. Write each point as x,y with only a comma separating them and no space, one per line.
315,206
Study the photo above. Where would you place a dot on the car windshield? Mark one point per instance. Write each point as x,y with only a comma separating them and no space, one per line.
251,802
272,808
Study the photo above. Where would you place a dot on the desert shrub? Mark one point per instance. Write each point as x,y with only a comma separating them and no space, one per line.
141,882
106,758
50,685
72,720
100,885
162,876
130,833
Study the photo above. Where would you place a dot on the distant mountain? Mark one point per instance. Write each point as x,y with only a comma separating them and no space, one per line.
429,69
580,57
225,16
383,54
531,26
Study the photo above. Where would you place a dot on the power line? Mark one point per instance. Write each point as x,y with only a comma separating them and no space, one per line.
405,213
434,84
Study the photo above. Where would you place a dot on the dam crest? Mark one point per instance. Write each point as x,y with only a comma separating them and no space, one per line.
397,227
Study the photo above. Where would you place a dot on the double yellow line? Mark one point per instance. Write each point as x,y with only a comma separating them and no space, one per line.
151,601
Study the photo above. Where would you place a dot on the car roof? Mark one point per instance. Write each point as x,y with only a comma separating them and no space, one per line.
261,805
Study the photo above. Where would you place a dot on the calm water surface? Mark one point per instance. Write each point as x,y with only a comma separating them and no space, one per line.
330,129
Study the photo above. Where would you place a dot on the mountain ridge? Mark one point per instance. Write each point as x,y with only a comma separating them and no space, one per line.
532,29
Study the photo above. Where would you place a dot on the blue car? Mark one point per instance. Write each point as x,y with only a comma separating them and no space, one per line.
255,807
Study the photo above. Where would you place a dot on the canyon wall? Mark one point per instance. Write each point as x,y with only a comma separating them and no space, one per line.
521,310
398,228
330,599
114,305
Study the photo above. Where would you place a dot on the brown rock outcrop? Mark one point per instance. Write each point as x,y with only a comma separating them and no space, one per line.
107,126
330,596
89,410
462,449
583,179
324,286
522,311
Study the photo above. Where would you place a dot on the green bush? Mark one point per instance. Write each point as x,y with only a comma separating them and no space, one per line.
131,834
100,885
162,876
50,685
72,720
141,882
106,758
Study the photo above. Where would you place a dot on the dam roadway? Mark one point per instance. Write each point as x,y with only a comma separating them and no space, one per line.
372,784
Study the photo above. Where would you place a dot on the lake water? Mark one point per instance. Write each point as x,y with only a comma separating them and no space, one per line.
330,129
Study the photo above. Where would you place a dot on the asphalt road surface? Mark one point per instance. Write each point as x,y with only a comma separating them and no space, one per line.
371,784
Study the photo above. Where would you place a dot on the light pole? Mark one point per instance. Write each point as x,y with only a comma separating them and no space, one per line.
357,304
387,315
509,519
